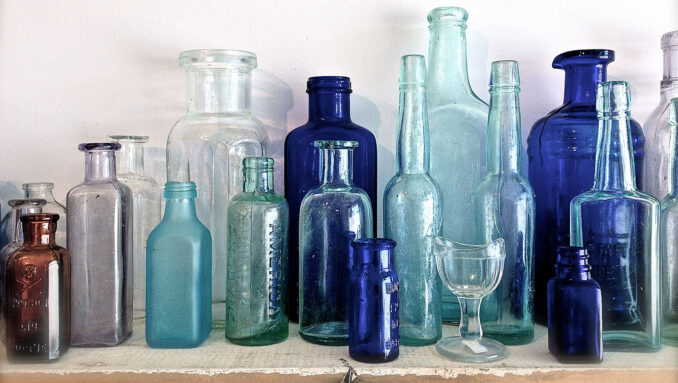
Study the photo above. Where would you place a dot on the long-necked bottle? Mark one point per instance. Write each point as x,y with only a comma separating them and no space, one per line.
257,259
100,244
412,212
209,143
43,190
504,208
330,216
561,151
619,226
329,118
656,128
458,128
146,200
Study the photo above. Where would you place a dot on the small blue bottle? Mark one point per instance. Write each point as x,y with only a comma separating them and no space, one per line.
373,335
179,274
575,318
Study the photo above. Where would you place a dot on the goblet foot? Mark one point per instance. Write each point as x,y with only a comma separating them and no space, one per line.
471,351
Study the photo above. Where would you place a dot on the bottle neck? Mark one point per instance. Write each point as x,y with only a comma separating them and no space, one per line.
180,209
412,151
324,104
17,212
39,233
669,84
258,180
100,165
130,158
503,133
581,82
577,270
614,153
448,69
336,166
219,90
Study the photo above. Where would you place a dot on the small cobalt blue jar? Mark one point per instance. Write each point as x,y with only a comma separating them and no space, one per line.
574,309
373,302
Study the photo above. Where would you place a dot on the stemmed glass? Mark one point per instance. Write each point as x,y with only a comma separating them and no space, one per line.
471,272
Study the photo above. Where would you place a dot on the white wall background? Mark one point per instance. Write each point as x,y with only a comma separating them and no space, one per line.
75,71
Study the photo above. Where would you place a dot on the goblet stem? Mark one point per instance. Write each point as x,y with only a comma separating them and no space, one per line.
469,324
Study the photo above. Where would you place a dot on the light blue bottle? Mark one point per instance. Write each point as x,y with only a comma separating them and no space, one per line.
179,274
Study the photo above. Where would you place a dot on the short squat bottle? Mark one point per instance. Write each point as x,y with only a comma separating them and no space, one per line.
619,226
575,322
373,302
43,190
100,244
38,291
412,213
179,274
257,259
329,215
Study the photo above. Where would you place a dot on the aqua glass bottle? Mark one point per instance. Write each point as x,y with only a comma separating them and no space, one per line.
179,274
258,221
330,216
669,235
412,212
504,208
458,128
619,226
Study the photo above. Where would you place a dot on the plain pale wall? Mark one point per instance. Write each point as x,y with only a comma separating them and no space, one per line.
75,71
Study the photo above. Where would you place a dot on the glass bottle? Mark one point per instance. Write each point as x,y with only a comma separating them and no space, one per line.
38,290
504,208
561,150
258,221
373,302
179,260
656,128
100,244
209,143
43,190
146,201
329,118
412,212
575,319
329,215
619,226
458,128
669,237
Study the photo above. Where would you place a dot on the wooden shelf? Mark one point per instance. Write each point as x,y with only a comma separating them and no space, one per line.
297,360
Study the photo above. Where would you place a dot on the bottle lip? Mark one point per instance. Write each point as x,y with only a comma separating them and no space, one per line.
412,71
39,217
263,163
335,144
334,83
450,15
39,202
374,243
217,59
128,139
37,185
583,57
669,40
99,146
504,74
571,251
613,98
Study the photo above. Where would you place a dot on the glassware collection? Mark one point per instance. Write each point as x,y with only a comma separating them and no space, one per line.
576,246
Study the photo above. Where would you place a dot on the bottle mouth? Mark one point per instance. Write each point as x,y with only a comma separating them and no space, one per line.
217,59
670,40
99,146
129,139
37,185
335,144
32,202
39,217
262,163
448,15
175,189
583,57
374,244
332,83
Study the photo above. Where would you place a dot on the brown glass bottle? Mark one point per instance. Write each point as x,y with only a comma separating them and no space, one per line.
38,285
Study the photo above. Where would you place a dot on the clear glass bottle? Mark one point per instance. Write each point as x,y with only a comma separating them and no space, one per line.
656,128
258,221
458,128
38,290
504,208
619,227
669,236
179,259
330,216
100,244
43,190
146,201
209,143
412,212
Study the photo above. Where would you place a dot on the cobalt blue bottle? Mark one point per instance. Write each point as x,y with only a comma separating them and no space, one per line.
373,335
561,151
575,317
329,118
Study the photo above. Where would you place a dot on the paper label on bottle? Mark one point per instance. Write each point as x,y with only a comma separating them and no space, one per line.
475,346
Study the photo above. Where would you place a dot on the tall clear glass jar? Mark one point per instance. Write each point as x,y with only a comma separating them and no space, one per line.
504,208
100,244
656,128
43,190
258,221
619,227
209,143
412,212
146,204
330,217
458,128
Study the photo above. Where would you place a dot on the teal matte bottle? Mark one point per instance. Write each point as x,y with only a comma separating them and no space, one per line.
179,274
412,213
504,208
256,262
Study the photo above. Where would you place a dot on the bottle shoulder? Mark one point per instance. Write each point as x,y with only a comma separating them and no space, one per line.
348,196
329,130
415,186
99,188
216,127
246,198
513,184
594,196
175,229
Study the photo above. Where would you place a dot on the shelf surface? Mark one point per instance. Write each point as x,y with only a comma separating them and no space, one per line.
297,360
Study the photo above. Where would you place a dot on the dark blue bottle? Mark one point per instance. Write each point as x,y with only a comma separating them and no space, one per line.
329,118
561,150
373,324
574,309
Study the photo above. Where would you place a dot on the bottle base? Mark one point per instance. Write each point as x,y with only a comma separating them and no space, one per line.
626,341
509,336
578,359
670,335
260,340
471,351
417,342
373,359
328,334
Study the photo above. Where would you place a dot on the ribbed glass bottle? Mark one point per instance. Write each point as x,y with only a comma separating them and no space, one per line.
43,190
